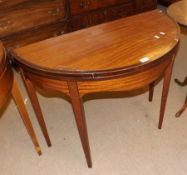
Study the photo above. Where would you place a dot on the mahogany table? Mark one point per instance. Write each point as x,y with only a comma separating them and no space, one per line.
125,54
9,87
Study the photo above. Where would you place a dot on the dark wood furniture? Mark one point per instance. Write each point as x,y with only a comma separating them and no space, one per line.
27,21
178,11
167,2
9,87
184,83
109,57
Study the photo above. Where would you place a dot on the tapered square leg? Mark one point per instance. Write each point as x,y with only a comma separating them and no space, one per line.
151,91
80,119
182,109
24,115
184,83
165,90
36,106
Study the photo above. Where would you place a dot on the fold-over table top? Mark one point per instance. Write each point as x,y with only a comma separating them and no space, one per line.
121,44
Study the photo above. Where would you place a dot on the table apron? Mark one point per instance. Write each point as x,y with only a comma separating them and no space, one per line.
130,82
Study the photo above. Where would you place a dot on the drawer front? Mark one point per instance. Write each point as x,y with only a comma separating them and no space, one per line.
29,14
81,6
120,12
167,2
148,4
100,16
37,34
88,20
8,3
144,5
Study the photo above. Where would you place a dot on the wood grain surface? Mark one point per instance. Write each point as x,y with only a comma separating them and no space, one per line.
109,47
80,6
29,14
28,18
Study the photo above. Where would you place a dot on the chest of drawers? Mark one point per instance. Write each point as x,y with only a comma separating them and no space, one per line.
167,2
26,21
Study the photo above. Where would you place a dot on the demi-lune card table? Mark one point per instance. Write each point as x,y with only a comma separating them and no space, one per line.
125,54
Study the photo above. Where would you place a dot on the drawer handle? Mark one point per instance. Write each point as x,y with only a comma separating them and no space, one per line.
62,32
105,12
54,12
81,5
85,4
123,14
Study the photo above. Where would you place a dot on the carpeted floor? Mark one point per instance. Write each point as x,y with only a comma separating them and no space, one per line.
122,128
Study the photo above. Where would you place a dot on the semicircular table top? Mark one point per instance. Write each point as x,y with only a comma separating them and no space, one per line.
121,44
178,11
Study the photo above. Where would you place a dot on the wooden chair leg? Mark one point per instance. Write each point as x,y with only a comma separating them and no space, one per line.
184,83
24,115
78,109
166,84
151,91
36,106
182,109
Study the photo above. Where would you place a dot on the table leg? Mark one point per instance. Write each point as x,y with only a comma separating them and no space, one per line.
24,115
166,84
185,102
78,109
182,109
36,106
181,83
151,90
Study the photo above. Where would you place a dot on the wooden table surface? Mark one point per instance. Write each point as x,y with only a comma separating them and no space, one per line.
87,51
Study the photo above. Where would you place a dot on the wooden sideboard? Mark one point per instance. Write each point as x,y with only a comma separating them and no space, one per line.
167,2
26,21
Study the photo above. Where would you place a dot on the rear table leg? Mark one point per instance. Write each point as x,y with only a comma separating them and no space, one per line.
151,90
182,109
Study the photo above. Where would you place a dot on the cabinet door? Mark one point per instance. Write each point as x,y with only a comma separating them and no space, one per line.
29,14
104,15
36,34
120,11
93,18
81,6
